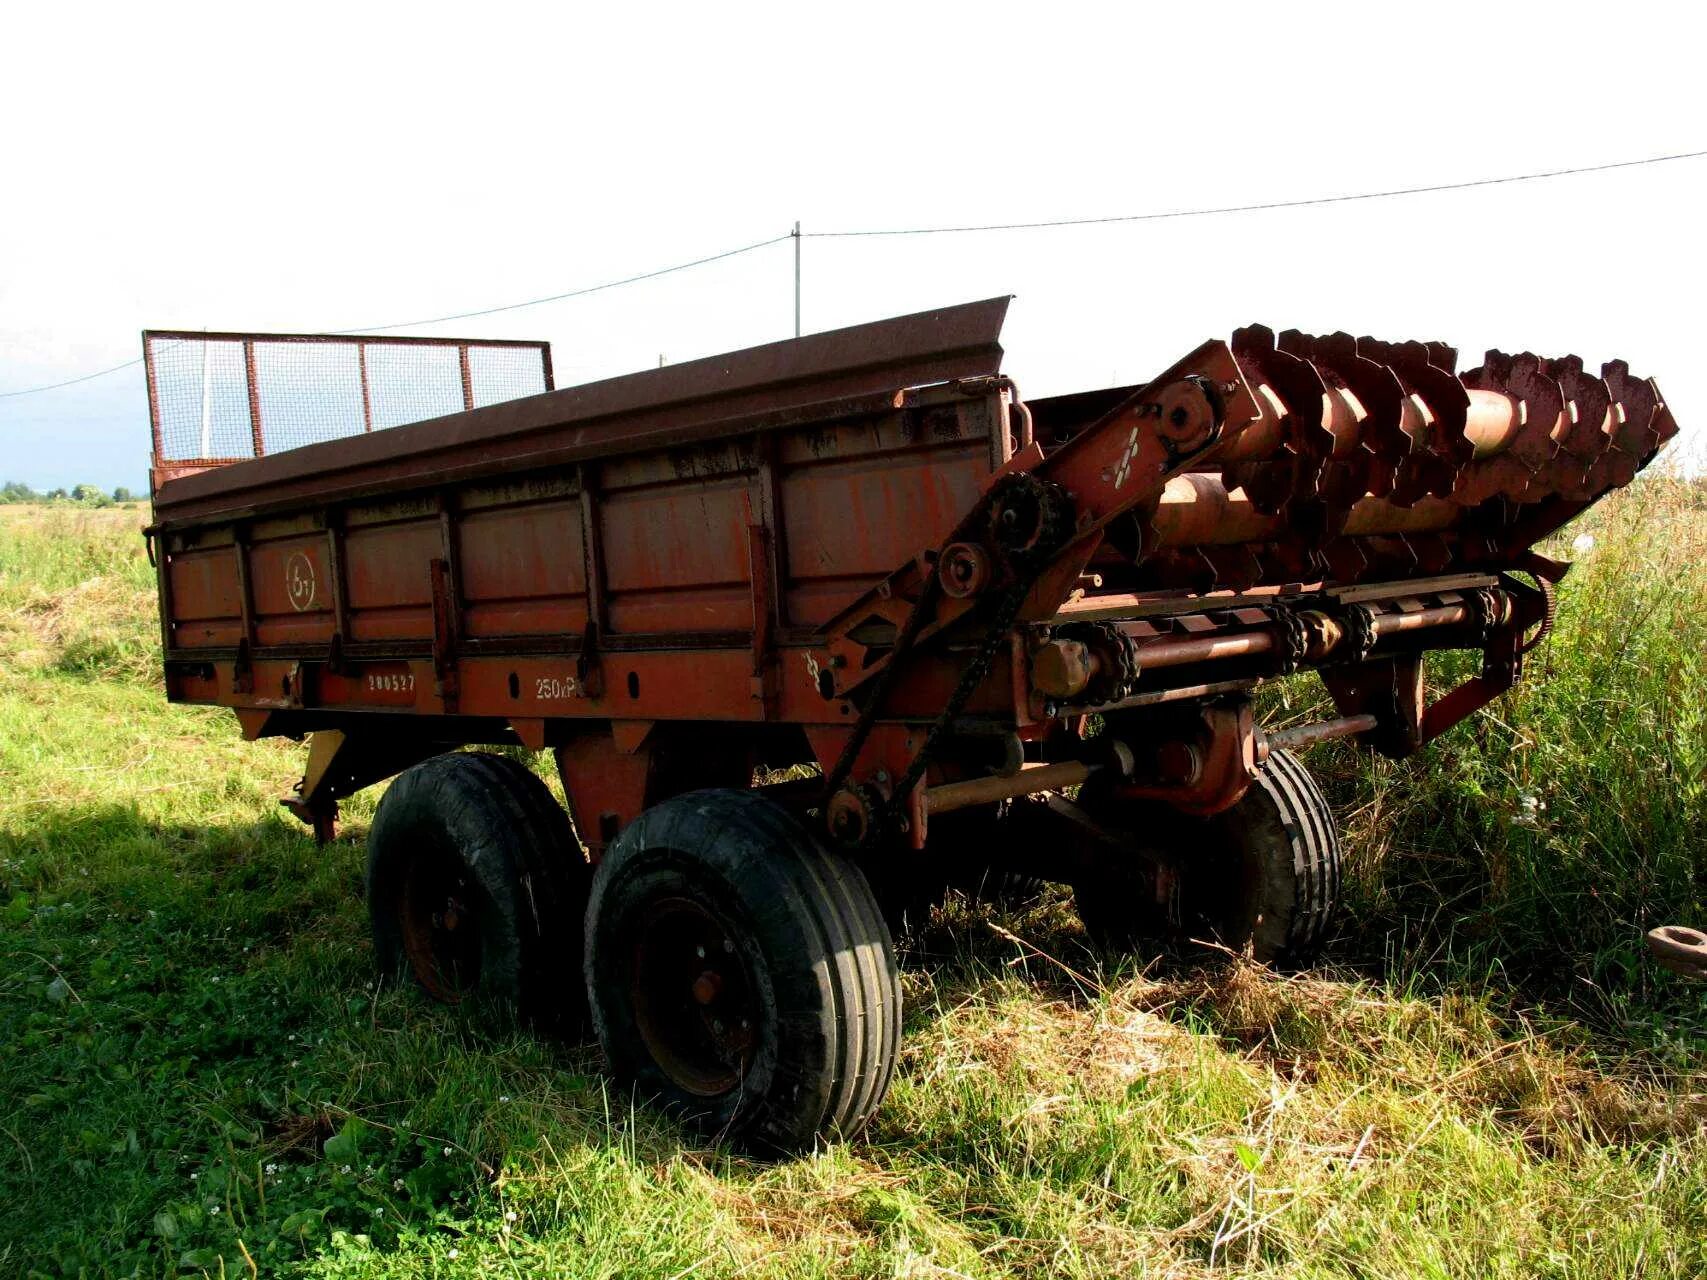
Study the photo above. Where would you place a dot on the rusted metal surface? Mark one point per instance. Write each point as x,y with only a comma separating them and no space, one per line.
1043,777
718,398
863,550
1305,734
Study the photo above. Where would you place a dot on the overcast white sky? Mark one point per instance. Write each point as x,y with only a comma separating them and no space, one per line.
303,168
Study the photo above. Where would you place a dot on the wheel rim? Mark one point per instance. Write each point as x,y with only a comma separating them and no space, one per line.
1218,895
1194,882
693,999
440,912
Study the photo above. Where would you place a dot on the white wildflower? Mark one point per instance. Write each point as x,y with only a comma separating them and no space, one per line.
447,1151
510,1216
452,1253
1529,809
1582,544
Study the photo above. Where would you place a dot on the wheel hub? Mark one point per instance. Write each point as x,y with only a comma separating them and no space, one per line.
693,1001
441,926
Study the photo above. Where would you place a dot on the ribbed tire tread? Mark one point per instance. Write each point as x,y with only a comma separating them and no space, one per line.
503,823
812,917
1293,829
556,878
1263,874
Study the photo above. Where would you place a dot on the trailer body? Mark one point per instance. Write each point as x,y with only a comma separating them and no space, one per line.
864,553
689,547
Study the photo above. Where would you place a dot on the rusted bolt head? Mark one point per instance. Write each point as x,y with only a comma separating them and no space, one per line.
1062,669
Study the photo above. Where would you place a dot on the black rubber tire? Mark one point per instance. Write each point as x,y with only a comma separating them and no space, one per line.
906,889
1116,896
970,852
490,822
982,855
1264,874
803,948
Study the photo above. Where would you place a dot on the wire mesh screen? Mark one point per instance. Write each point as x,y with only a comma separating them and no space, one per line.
221,397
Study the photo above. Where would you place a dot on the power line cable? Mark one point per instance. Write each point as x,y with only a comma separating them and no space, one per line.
1267,204
926,231
71,382
578,293
463,315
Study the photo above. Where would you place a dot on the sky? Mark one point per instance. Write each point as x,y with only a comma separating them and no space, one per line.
306,168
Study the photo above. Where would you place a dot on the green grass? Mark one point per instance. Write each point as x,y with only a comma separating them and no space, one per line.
1542,839
1486,1078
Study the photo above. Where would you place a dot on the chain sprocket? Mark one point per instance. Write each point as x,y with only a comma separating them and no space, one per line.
1294,638
1041,525
1028,521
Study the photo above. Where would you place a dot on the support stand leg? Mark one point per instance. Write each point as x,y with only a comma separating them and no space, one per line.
340,765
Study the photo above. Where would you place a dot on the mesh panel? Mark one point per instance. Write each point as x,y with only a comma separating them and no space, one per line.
408,384
307,392
503,373
229,396
202,411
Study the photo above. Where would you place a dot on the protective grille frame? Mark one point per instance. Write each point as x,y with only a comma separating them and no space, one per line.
219,398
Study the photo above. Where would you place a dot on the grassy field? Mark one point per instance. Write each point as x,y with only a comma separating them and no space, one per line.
1485,1078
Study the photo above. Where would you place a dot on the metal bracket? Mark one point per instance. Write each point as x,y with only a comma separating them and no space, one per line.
587,660
444,636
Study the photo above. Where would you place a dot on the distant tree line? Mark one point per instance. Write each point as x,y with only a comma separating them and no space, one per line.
82,495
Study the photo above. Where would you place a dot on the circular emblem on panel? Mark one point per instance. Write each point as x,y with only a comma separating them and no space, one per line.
299,581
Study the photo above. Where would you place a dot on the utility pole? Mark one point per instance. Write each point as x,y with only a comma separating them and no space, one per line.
797,277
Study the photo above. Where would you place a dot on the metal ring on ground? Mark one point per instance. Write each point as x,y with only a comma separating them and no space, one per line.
1680,949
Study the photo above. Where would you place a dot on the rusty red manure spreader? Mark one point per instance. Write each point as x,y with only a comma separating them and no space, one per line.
1019,635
